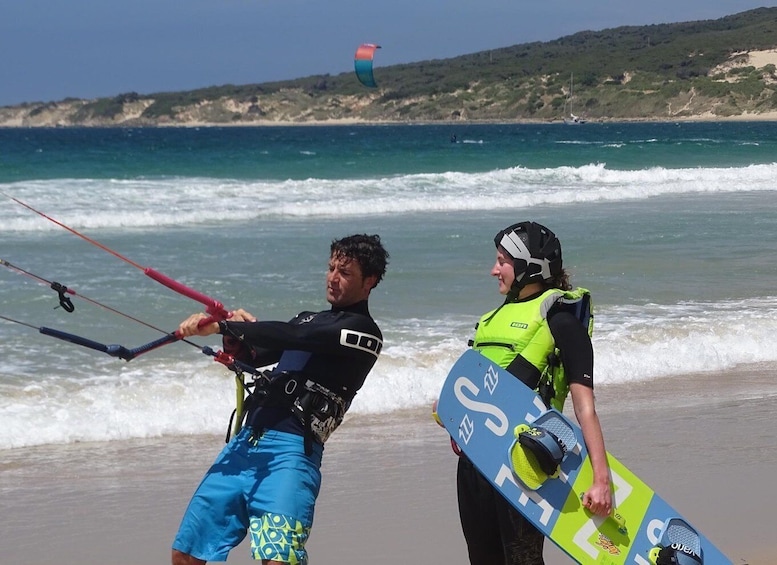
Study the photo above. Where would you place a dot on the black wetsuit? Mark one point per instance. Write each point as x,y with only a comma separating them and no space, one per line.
496,533
335,348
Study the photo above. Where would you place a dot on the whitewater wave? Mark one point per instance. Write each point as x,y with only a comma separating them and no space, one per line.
181,201
173,392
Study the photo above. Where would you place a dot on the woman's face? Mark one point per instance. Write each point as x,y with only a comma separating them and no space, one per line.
503,271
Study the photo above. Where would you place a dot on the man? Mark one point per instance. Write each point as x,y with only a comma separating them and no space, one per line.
266,480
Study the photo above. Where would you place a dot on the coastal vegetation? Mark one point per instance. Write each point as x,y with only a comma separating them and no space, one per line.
664,71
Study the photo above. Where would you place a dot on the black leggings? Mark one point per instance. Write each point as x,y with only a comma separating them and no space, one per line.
496,533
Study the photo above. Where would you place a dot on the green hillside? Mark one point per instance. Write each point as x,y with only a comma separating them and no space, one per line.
631,72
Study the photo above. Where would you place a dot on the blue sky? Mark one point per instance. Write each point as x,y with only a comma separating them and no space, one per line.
50,50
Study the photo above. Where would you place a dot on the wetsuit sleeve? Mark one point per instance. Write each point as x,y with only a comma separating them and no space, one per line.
254,356
244,351
574,343
315,336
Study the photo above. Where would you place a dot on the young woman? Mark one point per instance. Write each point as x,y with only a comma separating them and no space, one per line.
537,321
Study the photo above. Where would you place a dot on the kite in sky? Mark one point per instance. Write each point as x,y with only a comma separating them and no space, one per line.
363,64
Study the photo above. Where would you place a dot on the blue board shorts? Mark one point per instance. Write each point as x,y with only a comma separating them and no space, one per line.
264,486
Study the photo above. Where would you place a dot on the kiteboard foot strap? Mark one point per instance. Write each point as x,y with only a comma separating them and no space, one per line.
679,544
680,555
546,447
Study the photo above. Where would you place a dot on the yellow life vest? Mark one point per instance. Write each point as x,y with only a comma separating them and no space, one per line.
522,328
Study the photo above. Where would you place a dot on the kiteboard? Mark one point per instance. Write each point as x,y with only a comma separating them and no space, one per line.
537,459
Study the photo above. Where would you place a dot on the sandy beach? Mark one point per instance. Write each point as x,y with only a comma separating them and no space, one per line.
707,446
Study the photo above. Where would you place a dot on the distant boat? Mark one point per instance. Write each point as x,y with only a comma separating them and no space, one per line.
571,119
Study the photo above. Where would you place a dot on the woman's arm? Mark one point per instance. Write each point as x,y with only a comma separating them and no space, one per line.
598,497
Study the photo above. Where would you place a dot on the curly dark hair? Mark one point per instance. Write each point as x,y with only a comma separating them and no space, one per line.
367,250
560,281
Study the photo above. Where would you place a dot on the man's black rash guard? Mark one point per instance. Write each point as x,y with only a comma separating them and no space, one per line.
335,348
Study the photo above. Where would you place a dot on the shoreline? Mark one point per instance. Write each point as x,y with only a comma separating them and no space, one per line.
765,117
388,491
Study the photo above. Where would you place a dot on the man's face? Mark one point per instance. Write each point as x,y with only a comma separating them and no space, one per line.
345,284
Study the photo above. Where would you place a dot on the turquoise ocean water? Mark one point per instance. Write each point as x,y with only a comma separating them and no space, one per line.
673,227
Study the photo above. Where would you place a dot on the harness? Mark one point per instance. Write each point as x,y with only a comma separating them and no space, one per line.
521,328
318,409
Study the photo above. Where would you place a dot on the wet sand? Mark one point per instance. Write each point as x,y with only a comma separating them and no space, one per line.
706,443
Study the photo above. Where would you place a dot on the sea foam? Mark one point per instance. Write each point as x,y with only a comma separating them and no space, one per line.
143,203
